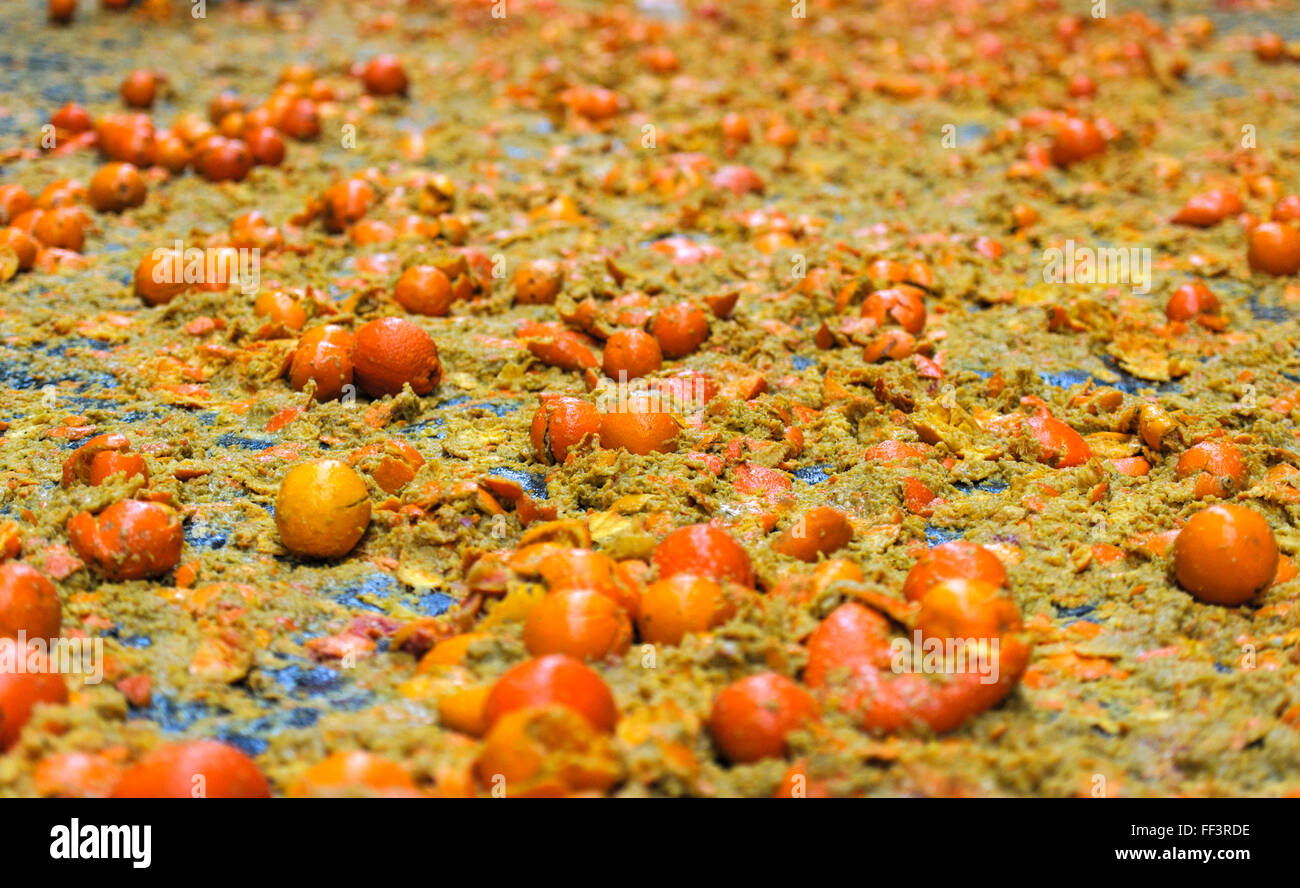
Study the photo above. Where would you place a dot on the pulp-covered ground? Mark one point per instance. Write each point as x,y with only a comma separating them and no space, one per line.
921,134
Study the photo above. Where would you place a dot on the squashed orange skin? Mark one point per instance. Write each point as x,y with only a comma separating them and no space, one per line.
546,752
353,772
130,540
856,641
323,356
1060,446
562,423
1217,466
106,465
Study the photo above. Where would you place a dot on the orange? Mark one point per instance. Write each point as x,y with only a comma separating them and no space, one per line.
1213,462
280,308
194,769
392,352
62,227
28,603
22,692
14,201
1076,140
220,159
1274,248
953,560
1208,208
633,353
684,603
347,202
553,679
384,76
140,88
680,329
116,187
820,531
265,144
322,509
639,429
752,717
160,276
77,775
704,550
1225,554
582,623
538,282
1189,300
425,290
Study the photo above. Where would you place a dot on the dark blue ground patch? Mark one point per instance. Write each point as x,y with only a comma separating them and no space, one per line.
814,474
306,682
230,439
499,408
200,535
434,603
938,535
421,429
1276,314
1064,378
60,349
172,715
988,485
251,736
1075,612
